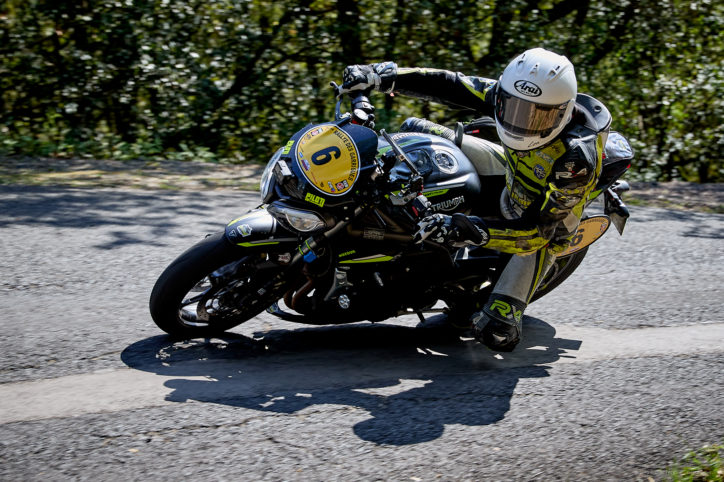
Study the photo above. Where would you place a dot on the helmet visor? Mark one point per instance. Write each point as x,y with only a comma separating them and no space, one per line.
526,118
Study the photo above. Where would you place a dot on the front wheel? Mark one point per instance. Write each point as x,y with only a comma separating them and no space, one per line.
213,287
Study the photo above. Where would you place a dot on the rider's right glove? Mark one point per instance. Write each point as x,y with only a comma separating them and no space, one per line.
457,230
379,76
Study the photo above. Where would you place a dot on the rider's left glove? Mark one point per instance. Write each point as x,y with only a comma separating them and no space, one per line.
457,230
380,76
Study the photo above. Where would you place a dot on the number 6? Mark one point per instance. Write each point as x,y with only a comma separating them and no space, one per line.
325,155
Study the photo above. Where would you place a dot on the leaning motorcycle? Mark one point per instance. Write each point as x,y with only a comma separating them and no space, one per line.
333,240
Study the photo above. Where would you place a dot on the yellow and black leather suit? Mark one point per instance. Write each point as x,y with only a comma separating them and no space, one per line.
549,185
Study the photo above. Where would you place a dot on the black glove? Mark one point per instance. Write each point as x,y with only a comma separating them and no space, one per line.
457,230
414,124
379,76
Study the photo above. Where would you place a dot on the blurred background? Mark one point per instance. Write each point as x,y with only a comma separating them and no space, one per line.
231,80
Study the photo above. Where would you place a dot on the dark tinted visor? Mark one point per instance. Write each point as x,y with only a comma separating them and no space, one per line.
526,118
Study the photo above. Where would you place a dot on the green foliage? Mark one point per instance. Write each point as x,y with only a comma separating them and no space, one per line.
232,79
703,465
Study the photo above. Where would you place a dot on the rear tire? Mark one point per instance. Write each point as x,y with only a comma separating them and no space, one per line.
562,268
192,297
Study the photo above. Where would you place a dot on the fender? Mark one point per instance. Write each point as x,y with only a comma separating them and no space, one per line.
258,228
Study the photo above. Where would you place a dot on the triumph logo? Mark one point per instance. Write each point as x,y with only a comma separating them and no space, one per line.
449,204
528,88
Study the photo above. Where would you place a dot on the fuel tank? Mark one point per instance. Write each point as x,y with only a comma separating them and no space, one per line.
451,181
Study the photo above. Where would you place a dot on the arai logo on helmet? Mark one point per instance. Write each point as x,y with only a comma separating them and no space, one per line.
528,88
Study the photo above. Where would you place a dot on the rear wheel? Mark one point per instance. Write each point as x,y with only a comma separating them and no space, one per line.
562,268
211,288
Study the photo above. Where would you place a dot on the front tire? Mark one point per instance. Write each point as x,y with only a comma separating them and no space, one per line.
211,288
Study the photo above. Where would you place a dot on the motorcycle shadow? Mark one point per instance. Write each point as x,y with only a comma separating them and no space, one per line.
413,381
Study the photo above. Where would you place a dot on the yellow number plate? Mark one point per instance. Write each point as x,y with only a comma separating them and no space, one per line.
589,230
329,159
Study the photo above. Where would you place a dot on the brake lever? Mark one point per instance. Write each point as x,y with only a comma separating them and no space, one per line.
338,90
339,94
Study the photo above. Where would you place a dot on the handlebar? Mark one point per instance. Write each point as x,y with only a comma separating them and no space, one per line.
361,116
409,194
365,117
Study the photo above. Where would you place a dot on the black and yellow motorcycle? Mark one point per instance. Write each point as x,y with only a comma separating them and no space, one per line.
333,239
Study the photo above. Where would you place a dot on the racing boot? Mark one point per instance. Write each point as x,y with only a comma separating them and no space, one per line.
499,325
415,124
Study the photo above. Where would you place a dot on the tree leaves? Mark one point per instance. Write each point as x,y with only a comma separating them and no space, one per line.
235,78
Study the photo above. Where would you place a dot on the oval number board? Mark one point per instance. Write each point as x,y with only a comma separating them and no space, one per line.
589,230
329,159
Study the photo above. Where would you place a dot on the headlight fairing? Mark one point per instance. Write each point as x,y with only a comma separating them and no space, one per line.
297,219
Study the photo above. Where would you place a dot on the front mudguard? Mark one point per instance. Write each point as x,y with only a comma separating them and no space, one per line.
258,228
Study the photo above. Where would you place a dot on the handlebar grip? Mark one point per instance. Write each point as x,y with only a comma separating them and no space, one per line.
362,110
467,228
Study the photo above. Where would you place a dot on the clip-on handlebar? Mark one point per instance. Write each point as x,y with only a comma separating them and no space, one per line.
362,115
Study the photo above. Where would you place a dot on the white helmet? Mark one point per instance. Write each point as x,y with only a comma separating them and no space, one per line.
534,99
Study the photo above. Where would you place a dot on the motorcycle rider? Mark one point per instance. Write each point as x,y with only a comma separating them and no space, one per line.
551,155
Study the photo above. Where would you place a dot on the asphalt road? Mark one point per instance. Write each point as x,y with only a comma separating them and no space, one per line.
620,371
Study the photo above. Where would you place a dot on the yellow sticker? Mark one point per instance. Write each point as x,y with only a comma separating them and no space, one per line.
589,230
328,158
314,199
287,148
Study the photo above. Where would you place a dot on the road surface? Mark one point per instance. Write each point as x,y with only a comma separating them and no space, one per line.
619,373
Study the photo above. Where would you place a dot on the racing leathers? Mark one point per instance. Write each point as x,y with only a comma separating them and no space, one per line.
546,187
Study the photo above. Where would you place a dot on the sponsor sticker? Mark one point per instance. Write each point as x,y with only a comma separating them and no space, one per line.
518,193
244,229
539,171
544,156
314,199
564,175
374,234
287,147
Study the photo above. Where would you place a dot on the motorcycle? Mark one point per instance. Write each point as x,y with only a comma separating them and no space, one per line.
333,240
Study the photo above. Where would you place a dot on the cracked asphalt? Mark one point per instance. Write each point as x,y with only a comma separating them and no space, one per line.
619,372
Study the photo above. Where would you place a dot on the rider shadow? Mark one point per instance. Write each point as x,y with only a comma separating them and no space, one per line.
412,381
